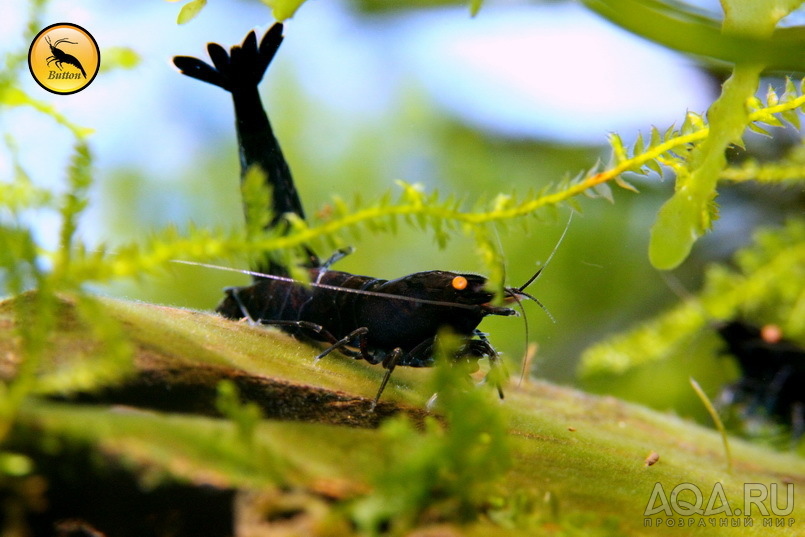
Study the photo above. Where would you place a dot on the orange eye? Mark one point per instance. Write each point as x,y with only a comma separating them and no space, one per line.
459,283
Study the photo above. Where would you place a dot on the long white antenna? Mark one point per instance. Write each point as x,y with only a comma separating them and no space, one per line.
329,287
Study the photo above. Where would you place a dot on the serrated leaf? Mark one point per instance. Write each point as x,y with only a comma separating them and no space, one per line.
592,170
687,125
341,207
655,138
639,170
392,222
654,166
618,149
501,202
421,221
574,204
621,182
355,231
637,148
790,89
772,120
758,129
697,120
771,97
385,200
605,191
441,239
792,116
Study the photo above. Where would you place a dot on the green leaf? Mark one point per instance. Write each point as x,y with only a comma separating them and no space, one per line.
675,231
475,7
790,90
638,146
679,27
605,191
624,184
656,138
754,127
119,58
190,11
792,117
654,166
618,150
283,9
771,96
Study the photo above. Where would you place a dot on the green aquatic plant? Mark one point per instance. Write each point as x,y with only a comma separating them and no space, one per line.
763,285
452,473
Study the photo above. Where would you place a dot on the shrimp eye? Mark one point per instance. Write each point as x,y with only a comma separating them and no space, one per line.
459,283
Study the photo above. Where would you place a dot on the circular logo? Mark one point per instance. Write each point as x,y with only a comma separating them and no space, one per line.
64,58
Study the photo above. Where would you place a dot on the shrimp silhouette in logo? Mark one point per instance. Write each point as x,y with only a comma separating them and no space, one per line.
59,56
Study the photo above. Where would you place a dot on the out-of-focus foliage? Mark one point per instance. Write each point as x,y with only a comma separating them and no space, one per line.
684,27
119,58
765,286
435,472
190,11
762,286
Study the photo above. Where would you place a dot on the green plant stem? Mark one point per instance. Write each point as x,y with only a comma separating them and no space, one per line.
689,212
716,420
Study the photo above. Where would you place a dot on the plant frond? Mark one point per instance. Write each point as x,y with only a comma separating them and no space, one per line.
766,287
21,194
765,172
672,147
79,179
695,153
12,96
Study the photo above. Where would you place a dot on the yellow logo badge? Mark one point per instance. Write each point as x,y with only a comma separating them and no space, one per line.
64,58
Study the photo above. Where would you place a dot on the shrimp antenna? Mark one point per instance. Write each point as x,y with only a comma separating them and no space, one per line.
519,292
365,292
516,295
533,278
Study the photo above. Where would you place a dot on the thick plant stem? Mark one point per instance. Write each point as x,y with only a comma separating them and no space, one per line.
690,211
